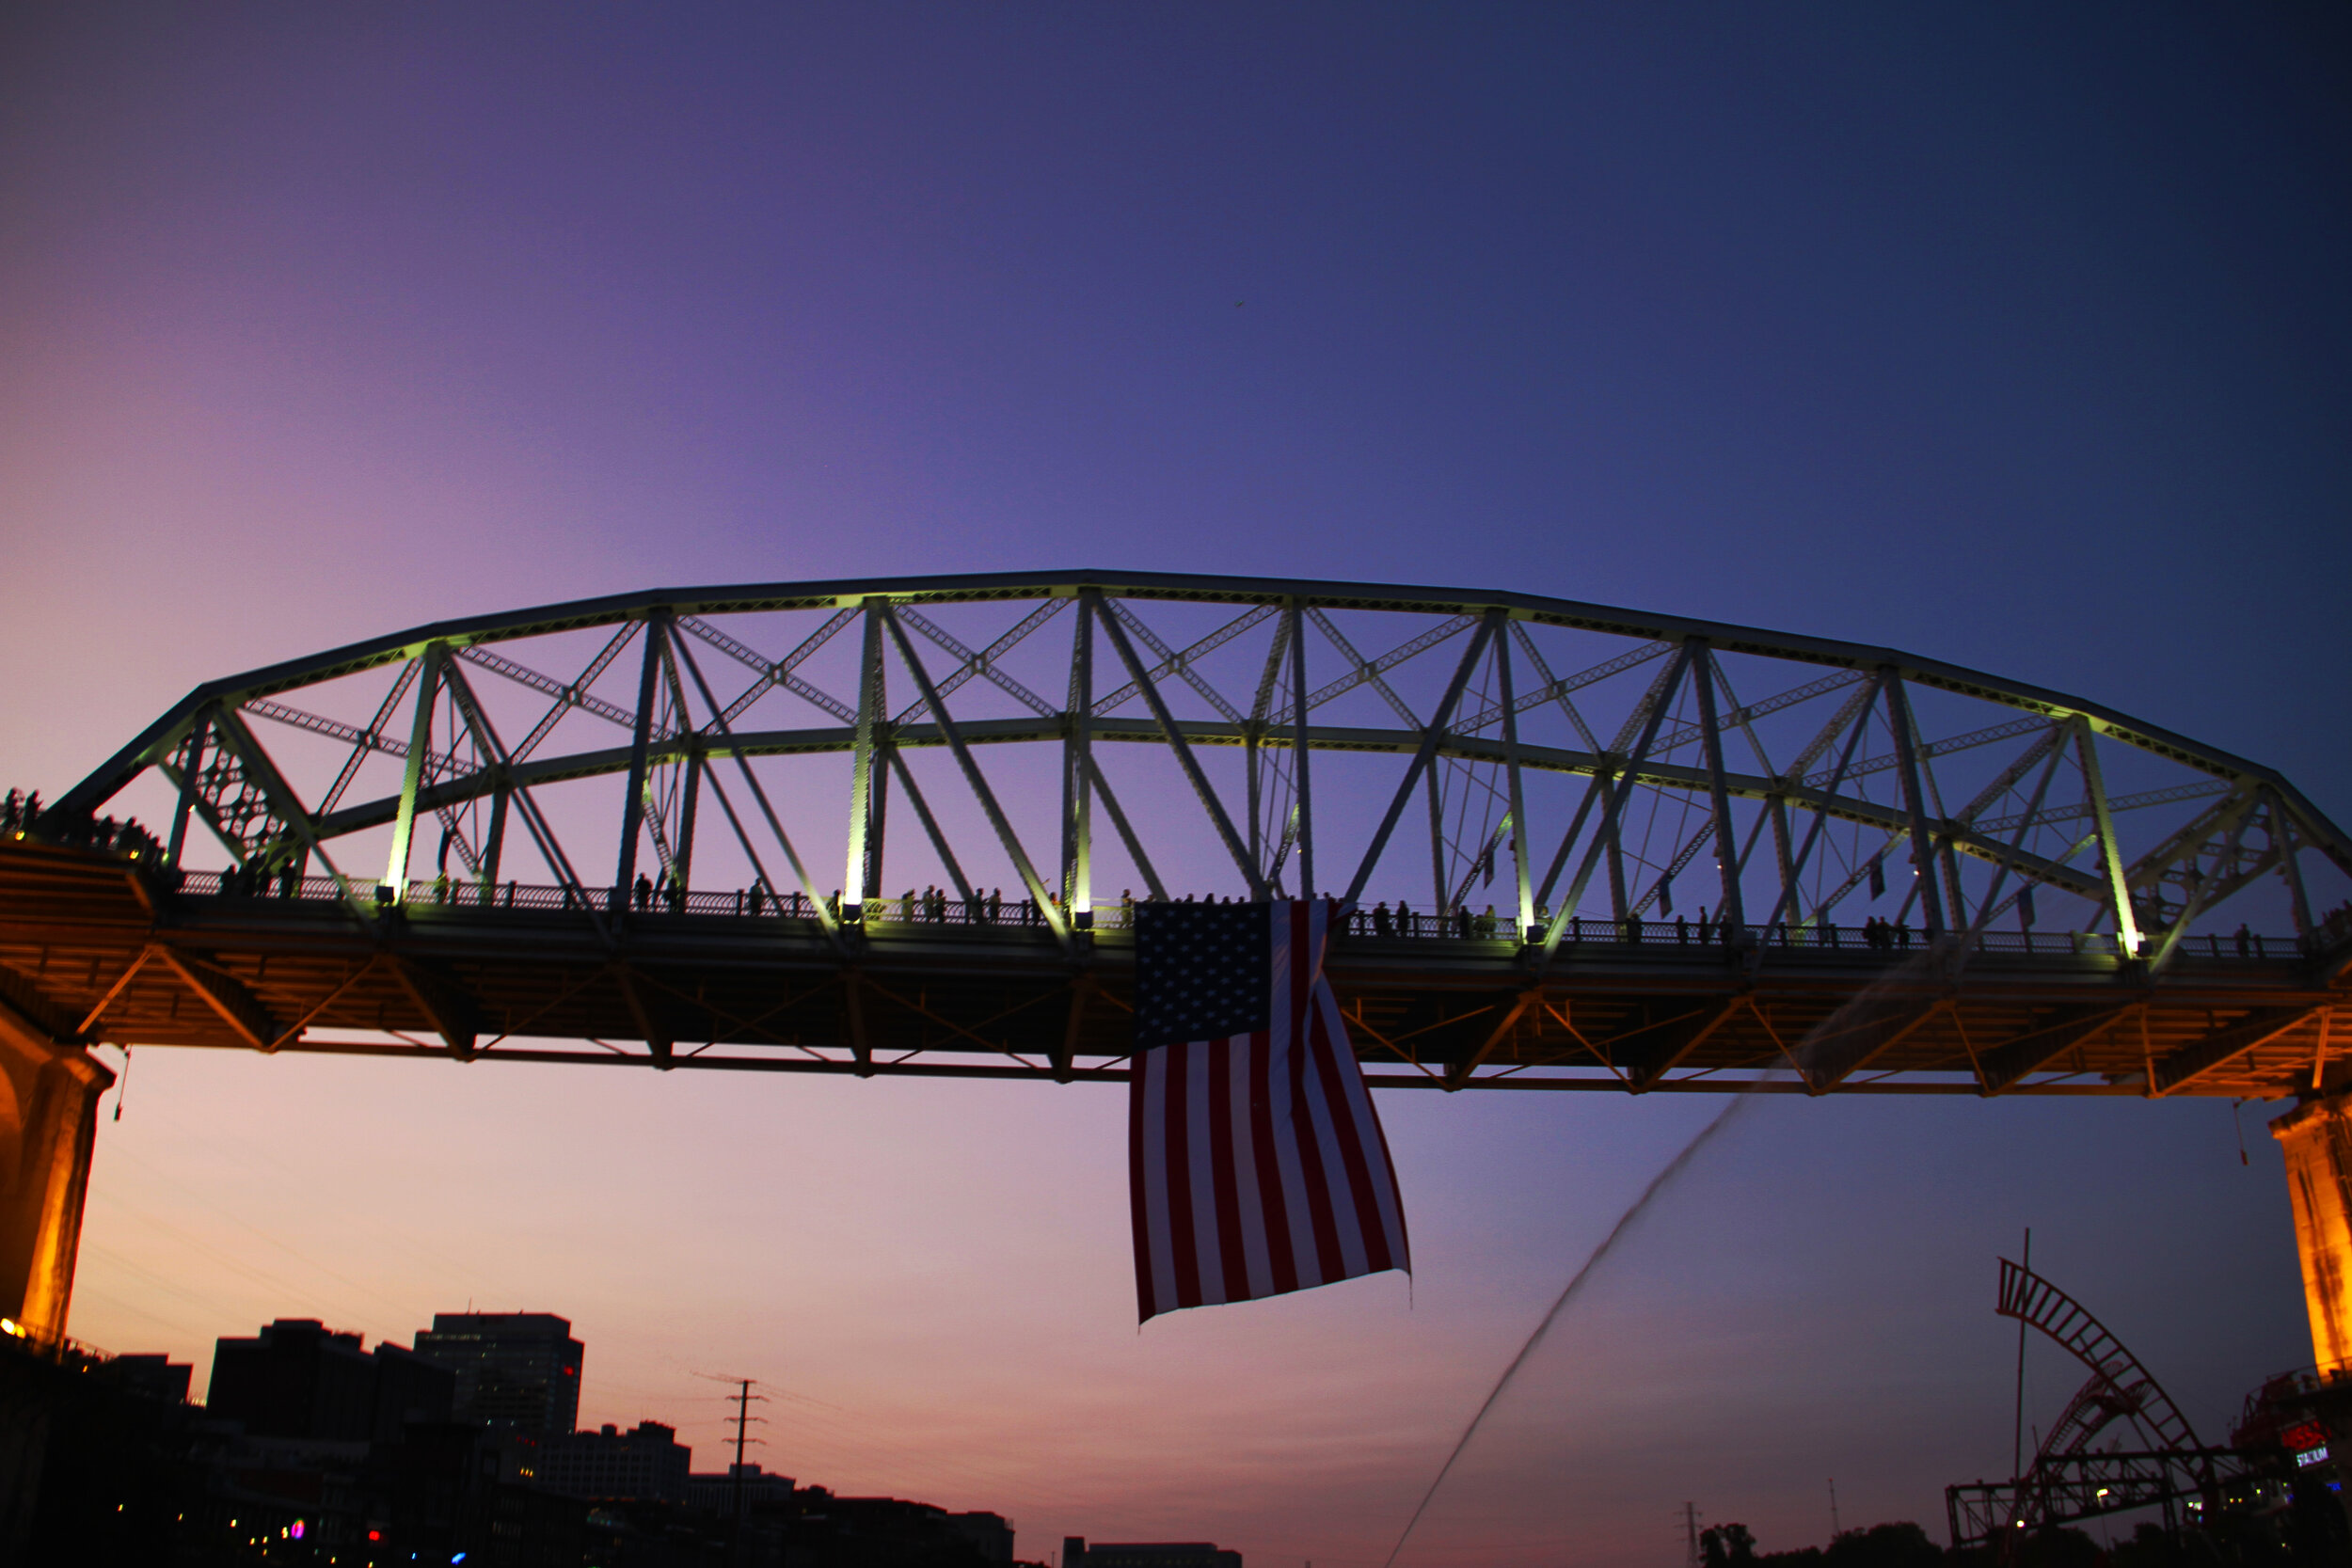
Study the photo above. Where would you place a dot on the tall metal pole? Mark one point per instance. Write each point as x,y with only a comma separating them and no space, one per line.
742,1423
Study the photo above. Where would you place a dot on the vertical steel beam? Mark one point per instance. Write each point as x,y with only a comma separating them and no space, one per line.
1438,893
1250,740
869,699
1256,733
633,806
1430,737
1519,797
419,741
1777,804
195,760
682,873
1914,800
690,737
878,820
1077,777
1730,912
1298,752
2110,848
496,848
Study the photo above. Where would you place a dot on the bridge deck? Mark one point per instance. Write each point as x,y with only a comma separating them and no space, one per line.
92,950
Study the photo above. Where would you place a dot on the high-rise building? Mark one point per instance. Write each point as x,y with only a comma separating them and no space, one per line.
516,1370
297,1378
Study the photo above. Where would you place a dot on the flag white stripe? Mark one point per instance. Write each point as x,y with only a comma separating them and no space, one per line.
1376,1164
1250,1202
1208,1258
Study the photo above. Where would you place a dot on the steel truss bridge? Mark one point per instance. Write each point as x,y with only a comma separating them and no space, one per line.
895,827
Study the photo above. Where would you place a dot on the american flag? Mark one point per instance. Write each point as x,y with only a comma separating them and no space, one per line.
1257,1166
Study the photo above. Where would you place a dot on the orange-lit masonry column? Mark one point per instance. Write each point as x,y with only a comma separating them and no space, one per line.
48,1123
2318,1141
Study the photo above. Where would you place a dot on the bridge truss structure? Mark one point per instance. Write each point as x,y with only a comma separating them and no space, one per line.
897,826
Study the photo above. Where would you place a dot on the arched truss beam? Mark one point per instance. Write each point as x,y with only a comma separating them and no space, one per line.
679,721
2030,1298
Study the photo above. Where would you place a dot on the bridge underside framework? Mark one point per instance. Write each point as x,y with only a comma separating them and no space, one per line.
875,828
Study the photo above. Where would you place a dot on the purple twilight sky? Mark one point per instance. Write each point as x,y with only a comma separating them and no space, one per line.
2016,338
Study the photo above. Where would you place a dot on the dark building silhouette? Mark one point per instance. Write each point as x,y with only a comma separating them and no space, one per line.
716,1493
991,1535
1075,1553
297,1378
158,1377
645,1464
515,1370
892,1533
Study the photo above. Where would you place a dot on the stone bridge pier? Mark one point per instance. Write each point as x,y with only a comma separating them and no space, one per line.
2316,1138
49,1094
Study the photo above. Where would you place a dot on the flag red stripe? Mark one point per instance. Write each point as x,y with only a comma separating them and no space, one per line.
1265,1137
1179,1156
1232,1254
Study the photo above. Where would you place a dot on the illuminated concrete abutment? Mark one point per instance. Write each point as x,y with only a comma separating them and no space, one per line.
48,1122
2316,1138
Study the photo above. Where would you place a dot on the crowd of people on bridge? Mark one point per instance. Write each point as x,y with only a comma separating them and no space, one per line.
21,810
22,817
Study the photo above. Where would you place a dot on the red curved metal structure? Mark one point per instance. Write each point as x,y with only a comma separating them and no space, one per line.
2120,1385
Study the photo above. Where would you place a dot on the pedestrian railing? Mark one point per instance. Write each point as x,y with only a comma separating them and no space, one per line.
1584,931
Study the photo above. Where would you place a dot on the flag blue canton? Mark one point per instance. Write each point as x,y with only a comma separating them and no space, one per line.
1202,971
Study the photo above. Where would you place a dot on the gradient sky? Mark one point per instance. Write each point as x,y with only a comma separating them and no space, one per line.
2017,339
